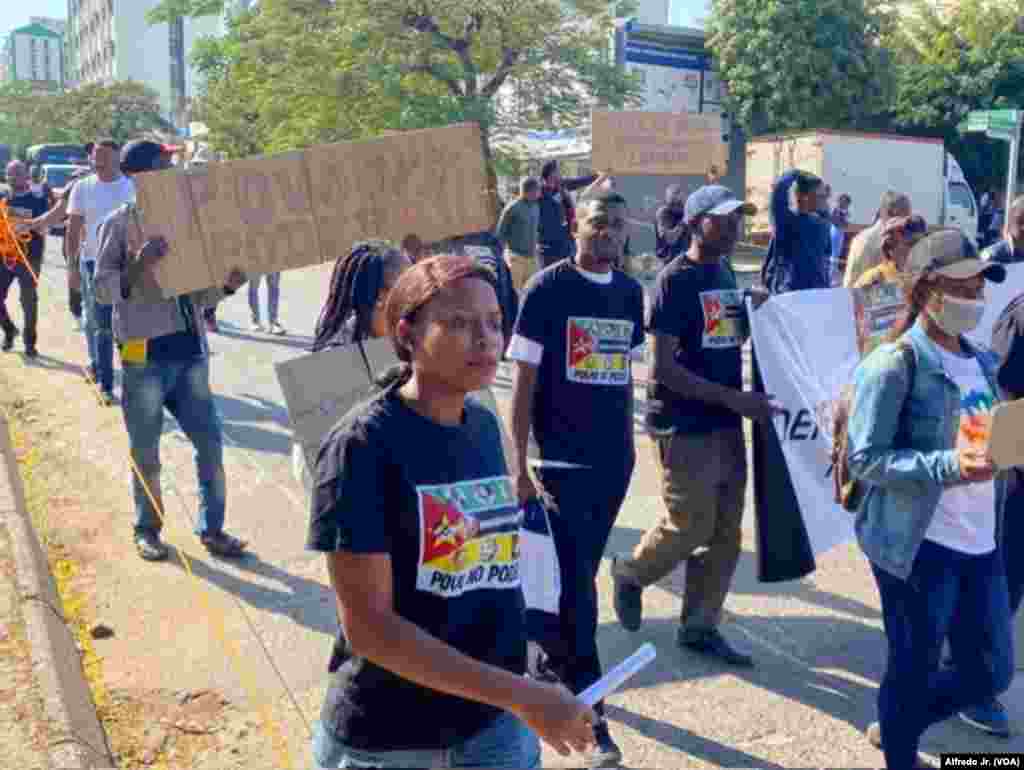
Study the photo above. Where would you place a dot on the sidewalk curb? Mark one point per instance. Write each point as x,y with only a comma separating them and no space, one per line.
77,738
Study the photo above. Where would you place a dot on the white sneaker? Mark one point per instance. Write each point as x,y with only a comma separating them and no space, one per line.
257,326
276,328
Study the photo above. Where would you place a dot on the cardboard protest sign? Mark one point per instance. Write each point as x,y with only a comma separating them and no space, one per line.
299,209
319,388
657,143
432,183
876,309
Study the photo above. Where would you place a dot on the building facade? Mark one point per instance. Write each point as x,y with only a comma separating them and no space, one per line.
111,41
35,54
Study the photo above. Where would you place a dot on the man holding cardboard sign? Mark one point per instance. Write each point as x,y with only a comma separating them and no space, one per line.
164,357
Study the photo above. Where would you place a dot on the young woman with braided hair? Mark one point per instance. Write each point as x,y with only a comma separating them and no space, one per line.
360,283
354,311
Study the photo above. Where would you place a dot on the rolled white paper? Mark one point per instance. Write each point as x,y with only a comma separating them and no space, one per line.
618,676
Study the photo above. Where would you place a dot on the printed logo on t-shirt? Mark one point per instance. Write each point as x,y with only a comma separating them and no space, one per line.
469,533
724,319
598,351
975,419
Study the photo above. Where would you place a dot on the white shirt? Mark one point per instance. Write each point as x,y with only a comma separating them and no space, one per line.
965,519
94,201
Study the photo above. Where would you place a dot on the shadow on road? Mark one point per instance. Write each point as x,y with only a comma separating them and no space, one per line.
837,675
745,582
297,341
56,364
679,738
306,602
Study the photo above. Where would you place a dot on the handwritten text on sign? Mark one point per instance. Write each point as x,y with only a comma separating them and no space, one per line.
303,208
636,142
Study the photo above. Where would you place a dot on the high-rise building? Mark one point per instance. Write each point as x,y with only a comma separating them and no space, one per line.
111,41
35,54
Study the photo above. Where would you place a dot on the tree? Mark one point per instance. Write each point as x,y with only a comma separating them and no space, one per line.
368,66
947,64
796,64
121,111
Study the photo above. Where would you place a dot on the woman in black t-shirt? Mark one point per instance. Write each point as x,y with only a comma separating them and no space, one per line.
415,510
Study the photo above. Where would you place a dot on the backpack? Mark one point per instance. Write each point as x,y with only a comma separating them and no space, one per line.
847,490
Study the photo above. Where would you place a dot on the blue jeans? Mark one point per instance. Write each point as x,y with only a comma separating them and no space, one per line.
99,332
506,742
183,387
273,296
947,593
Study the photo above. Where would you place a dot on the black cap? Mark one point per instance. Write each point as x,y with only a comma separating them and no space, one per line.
139,156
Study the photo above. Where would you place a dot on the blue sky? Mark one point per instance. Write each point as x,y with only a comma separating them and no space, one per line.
14,14
687,12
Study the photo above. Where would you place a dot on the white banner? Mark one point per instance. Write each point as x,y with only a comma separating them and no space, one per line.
808,348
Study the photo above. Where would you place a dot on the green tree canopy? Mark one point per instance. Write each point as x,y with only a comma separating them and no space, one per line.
368,66
795,64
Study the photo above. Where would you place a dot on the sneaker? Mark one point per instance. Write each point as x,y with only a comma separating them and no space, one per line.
276,328
31,352
149,546
258,327
629,603
711,643
10,334
989,717
606,752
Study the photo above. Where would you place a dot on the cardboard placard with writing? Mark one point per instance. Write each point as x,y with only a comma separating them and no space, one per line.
256,214
319,388
431,182
657,143
166,209
299,209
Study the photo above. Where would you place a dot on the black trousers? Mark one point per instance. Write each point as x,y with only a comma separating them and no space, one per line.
29,297
588,502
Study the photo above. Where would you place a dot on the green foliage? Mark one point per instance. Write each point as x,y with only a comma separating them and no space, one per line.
948,65
121,111
172,10
795,64
298,72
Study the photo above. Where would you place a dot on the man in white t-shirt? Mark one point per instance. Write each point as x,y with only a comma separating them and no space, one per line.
92,200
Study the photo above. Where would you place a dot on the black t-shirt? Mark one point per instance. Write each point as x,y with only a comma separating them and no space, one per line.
583,405
438,500
700,306
28,205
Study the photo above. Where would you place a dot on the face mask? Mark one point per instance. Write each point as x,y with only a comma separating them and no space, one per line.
956,316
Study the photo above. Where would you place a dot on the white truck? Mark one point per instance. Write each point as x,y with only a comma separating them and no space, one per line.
864,166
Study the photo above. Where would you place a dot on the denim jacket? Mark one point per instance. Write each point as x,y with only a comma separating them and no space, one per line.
902,446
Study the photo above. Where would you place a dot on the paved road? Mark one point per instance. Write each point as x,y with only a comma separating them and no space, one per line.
818,642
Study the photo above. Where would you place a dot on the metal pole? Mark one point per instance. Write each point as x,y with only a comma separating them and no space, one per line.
1011,174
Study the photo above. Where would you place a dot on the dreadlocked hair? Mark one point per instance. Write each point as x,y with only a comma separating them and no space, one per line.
416,287
356,284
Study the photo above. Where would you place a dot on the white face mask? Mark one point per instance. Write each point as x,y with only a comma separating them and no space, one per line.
956,316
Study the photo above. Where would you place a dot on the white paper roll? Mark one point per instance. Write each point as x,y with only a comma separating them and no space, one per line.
618,676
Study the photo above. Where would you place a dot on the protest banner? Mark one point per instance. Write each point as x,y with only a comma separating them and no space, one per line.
808,346
657,143
299,209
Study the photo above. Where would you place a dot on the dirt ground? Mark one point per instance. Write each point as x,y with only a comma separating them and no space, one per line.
79,510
